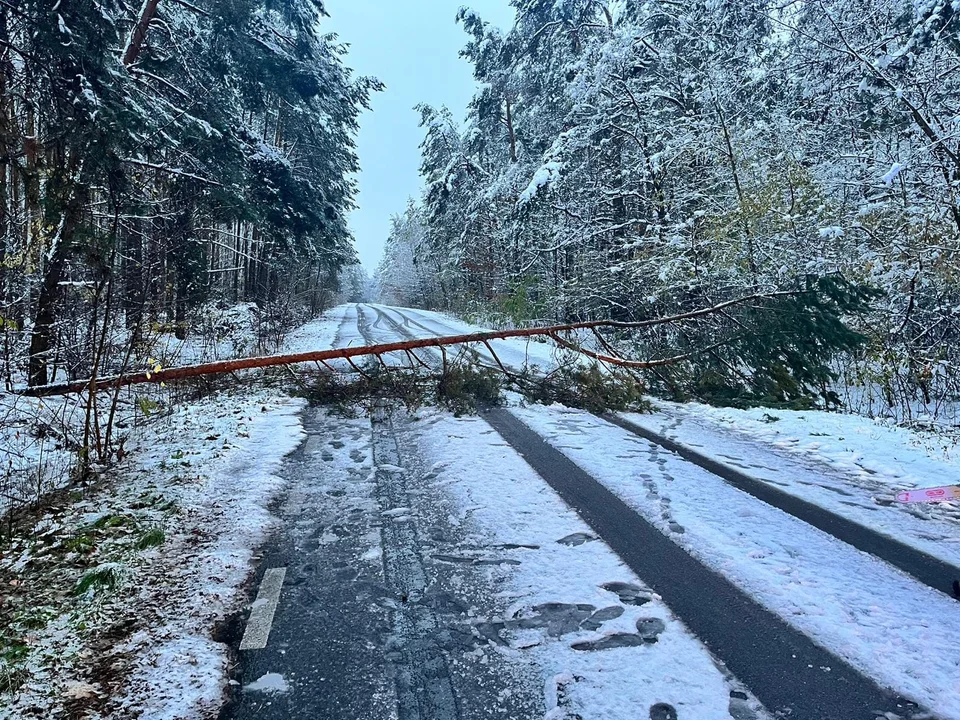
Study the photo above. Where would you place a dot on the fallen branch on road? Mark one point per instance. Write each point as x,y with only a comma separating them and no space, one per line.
563,335
320,356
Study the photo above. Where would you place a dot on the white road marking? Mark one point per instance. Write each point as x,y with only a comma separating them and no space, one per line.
261,616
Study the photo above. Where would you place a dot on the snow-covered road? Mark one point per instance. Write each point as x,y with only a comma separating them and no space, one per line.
505,597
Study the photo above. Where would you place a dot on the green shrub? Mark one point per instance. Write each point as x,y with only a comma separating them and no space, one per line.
110,521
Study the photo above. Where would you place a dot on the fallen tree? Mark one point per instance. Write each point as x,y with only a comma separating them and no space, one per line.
784,339
553,332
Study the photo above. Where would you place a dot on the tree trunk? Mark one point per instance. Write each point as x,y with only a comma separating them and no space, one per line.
139,33
41,340
551,332
134,291
69,191
511,132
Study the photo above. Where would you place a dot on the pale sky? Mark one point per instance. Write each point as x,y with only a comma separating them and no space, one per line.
412,47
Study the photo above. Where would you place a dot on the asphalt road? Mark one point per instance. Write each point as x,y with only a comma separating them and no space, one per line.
372,622
352,640
324,654
786,671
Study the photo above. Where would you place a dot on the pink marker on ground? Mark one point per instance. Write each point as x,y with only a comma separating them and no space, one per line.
946,492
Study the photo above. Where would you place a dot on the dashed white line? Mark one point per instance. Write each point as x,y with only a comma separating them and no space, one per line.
261,616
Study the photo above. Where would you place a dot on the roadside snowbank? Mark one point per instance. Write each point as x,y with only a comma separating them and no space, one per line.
864,448
179,670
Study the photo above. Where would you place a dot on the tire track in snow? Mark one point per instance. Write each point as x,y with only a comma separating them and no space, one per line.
424,687
855,692
928,570
422,675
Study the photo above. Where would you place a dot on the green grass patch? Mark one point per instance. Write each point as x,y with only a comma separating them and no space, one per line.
13,654
83,544
153,537
102,578
110,521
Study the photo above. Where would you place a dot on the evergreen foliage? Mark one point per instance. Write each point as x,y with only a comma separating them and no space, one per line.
153,162
780,351
633,159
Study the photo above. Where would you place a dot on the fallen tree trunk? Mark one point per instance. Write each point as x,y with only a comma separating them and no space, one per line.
552,332
139,33
228,366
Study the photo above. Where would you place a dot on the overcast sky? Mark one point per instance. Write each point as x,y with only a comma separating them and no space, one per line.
413,47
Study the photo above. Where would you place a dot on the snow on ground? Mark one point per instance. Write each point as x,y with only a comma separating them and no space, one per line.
851,465
223,332
242,330
867,449
203,477
34,458
139,641
883,622
319,334
503,501
227,515
513,352
168,536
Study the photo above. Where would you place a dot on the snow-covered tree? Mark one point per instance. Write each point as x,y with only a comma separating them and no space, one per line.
160,154
633,158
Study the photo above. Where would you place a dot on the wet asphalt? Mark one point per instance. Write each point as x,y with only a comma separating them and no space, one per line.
332,621
361,634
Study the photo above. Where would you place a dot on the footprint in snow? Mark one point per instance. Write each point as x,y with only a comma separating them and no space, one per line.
663,711
601,616
648,632
575,539
650,629
628,593
616,640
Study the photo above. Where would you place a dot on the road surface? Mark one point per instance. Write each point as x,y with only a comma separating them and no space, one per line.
492,567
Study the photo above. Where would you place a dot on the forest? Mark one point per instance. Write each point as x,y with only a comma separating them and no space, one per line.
176,180
633,159
654,391
160,159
